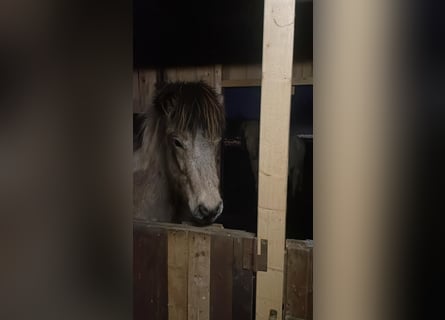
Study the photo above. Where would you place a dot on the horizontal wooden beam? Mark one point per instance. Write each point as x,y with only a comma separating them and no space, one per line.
257,83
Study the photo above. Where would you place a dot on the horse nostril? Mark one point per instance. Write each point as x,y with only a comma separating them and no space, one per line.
210,213
203,210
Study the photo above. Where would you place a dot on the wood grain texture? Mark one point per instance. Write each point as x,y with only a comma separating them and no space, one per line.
177,274
136,93
146,86
243,283
150,295
206,73
221,263
278,39
261,259
249,251
298,290
199,276
186,272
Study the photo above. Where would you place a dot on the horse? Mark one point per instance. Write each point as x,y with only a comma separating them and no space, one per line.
176,166
297,150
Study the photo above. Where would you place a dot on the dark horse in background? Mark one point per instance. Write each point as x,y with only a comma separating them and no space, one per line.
176,155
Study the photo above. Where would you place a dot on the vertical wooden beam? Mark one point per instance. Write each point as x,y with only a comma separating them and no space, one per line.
150,296
217,75
242,297
278,40
177,274
298,285
199,276
221,264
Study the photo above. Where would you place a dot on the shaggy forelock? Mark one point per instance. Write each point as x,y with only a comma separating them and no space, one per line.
190,106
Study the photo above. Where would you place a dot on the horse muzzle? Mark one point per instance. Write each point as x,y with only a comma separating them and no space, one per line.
205,216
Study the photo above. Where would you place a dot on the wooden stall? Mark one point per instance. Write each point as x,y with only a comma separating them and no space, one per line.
185,272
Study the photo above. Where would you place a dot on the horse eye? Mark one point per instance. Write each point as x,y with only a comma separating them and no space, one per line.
178,143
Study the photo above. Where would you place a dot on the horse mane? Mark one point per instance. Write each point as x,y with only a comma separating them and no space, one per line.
139,122
189,106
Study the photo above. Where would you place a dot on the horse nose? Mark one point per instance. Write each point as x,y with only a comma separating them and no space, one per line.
210,213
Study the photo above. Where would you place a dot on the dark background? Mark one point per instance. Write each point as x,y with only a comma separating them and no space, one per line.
177,32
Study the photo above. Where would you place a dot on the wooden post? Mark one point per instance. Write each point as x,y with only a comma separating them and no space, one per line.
278,40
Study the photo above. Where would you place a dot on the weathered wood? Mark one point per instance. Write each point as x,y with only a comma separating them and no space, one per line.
249,251
310,299
243,280
218,76
261,259
235,72
206,73
298,290
190,264
171,74
199,277
150,275
250,75
186,74
147,82
253,71
136,93
278,36
177,274
221,262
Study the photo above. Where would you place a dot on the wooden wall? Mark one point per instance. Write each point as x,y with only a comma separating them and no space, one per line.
216,75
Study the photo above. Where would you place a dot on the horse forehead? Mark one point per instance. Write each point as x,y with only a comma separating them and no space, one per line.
200,139
202,145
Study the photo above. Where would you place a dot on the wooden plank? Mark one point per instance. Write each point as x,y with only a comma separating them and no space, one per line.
199,276
136,93
241,83
303,82
297,72
253,71
206,230
221,262
243,281
261,260
205,73
186,74
147,82
235,72
249,250
177,274
310,314
298,299
150,295
171,74
257,82
218,82
307,71
278,41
